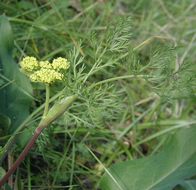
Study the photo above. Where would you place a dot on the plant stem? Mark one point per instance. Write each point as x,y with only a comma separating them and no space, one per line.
10,163
47,100
22,155
55,112
10,143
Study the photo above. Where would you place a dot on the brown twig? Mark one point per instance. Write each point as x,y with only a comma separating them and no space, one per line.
10,164
56,111
22,155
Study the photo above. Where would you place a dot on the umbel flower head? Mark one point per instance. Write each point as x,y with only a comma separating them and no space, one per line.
44,71
29,64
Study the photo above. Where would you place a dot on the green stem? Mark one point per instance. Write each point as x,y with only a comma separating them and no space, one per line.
47,100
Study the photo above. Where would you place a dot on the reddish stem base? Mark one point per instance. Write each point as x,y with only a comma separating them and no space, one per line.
21,156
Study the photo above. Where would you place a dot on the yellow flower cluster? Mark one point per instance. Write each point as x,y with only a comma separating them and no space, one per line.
44,71
29,64
60,63
45,76
45,65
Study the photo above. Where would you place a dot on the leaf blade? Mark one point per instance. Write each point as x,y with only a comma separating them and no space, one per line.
15,98
165,170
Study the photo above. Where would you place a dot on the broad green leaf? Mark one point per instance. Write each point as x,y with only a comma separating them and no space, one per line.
16,97
189,184
176,162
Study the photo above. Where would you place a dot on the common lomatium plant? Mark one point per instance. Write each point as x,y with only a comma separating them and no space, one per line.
47,73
